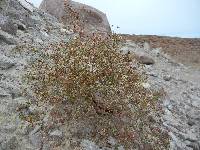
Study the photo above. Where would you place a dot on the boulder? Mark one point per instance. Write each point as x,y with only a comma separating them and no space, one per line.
90,19
144,58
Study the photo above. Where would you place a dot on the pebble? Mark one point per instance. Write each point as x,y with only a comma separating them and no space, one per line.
167,77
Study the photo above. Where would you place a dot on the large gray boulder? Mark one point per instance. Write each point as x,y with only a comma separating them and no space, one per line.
91,19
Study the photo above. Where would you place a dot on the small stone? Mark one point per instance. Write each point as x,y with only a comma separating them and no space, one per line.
56,134
69,32
167,77
21,27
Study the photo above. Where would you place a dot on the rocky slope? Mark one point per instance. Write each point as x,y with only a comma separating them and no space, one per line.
25,31
183,50
182,101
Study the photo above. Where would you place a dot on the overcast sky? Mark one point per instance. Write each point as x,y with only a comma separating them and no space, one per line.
158,17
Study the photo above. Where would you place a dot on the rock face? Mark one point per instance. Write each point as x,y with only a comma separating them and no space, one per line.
91,19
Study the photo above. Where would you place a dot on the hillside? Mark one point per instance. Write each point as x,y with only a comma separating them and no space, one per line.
178,74
67,84
184,50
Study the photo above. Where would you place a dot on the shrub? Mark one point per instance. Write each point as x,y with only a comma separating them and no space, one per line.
99,87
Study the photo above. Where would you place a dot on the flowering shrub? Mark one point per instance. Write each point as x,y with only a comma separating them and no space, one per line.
91,70
100,86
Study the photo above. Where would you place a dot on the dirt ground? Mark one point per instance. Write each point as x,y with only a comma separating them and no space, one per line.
184,50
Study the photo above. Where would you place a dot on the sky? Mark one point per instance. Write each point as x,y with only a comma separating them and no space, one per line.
180,18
